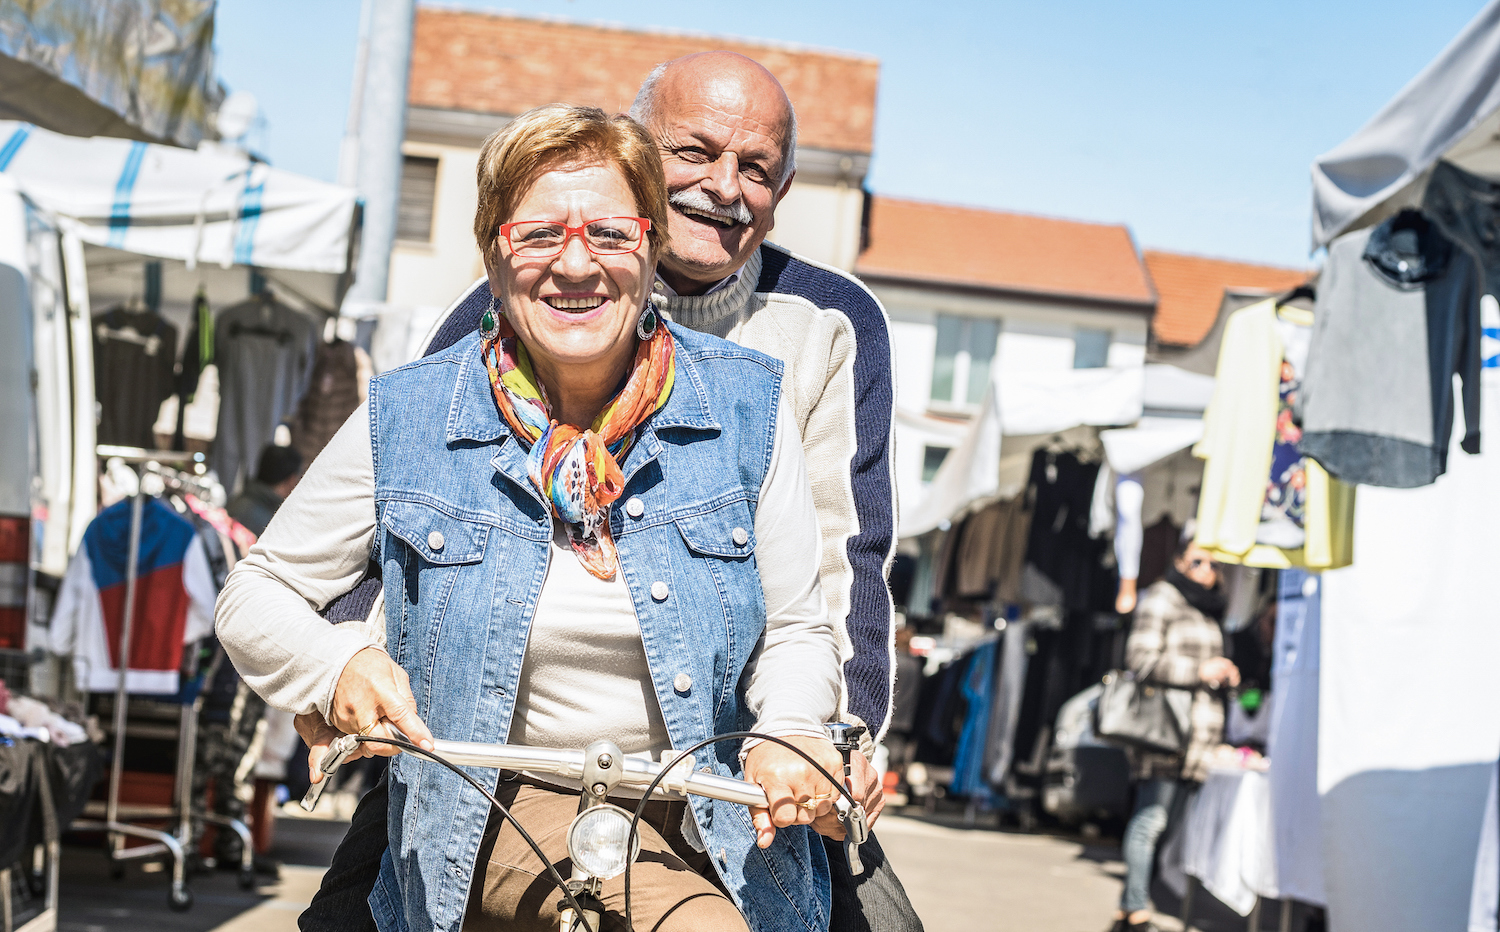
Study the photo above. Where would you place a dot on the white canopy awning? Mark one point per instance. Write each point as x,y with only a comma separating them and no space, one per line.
1044,402
210,207
1025,410
1153,439
1449,111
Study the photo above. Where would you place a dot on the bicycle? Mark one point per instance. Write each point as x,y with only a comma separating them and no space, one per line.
603,840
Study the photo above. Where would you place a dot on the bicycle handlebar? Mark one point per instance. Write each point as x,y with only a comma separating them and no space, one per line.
569,763
638,773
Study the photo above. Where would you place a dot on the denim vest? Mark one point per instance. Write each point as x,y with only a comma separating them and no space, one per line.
464,541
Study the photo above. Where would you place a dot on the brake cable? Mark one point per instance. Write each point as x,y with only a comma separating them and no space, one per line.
499,807
634,832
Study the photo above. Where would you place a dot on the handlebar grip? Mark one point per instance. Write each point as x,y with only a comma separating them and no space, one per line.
314,793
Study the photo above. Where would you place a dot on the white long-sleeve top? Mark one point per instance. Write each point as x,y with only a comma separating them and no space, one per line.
585,673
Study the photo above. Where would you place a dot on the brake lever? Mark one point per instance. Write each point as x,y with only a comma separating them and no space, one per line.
845,737
338,752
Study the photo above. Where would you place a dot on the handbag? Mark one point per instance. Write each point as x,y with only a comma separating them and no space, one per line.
1144,715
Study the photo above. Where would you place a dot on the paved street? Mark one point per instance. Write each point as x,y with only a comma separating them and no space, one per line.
958,879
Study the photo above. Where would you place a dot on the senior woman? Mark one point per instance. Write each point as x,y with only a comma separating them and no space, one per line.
591,524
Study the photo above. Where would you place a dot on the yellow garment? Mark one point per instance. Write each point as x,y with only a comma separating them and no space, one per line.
1239,429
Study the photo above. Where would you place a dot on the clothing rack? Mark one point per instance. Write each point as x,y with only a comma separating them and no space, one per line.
119,821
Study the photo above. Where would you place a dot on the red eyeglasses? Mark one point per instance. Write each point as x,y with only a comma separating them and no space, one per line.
607,236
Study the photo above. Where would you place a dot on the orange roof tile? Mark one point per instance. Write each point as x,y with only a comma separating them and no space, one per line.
997,249
506,64
1190,289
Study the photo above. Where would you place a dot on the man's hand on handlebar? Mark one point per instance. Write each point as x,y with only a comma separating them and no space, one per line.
867,789
789,781
372,694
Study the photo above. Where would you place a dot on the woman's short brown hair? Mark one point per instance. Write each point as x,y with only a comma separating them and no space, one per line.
545,138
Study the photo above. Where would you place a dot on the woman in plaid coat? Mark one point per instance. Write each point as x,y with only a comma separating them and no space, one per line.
1176,641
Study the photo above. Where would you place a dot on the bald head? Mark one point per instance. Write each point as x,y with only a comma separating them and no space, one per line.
728,138
724,74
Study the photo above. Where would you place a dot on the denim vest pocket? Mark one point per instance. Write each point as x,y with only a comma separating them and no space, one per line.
438,537
727,530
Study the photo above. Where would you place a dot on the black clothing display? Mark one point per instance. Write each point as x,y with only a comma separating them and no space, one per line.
135,354
1059,545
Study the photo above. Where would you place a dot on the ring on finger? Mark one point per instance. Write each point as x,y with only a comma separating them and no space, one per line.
365,731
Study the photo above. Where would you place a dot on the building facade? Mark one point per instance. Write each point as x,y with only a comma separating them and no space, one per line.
981,296
473,71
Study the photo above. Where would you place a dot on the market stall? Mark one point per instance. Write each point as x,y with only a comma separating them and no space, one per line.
190,298
1008,583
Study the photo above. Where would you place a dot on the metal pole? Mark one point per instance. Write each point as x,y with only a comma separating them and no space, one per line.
349,148
1286,915
137,503
382,127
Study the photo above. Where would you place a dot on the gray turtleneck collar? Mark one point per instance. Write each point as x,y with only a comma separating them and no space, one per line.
701,312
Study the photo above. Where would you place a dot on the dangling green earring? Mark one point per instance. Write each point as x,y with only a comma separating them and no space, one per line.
645,325
489,323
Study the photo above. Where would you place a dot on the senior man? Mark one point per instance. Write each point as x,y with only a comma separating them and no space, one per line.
727,133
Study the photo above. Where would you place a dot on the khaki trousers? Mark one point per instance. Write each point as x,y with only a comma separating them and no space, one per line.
672,887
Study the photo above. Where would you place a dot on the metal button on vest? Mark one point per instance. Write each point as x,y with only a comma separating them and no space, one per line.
741,536
635,508
659,591
435,540
682,683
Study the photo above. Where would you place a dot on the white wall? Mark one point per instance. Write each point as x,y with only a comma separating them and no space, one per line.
1035,336
1127,348
1028,346
434,273
821,222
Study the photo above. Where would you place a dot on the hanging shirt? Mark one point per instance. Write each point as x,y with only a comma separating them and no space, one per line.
174,600
1398,316
134,358
264,353
1239,432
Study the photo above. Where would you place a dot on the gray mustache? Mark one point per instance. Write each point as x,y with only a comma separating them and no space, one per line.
694,199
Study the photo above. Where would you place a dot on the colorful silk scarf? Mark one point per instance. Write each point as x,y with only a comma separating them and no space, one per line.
579,471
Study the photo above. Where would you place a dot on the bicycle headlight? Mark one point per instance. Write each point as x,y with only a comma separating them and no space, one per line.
600,841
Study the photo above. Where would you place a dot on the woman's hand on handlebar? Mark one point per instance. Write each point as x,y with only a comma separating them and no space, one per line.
790,781
318,735
372,693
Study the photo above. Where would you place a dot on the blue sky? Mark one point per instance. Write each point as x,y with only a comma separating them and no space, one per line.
1194,122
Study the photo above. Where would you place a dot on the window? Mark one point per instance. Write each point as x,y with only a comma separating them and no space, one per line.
932,461
1090,348
963,359
418,191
